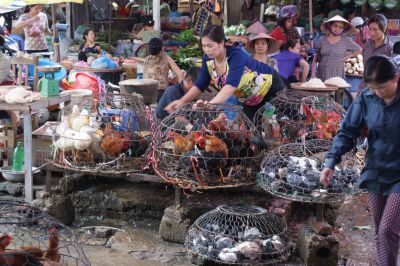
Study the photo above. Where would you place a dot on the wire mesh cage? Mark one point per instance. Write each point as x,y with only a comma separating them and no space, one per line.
208,147
292,171
29,236
295,115
239,234
113,137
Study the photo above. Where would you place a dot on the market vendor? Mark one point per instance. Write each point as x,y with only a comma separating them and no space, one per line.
261,46
333,50
238,78
285,29
377,109
36,26
157,65
176,91
147,32
89,48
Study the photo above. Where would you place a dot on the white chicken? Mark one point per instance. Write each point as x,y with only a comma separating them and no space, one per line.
80,120
96,137
249,249
227,256
21,95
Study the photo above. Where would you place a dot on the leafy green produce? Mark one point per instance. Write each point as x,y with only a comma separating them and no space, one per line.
185,57
187,36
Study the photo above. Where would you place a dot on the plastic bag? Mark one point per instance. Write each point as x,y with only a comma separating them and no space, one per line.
104,63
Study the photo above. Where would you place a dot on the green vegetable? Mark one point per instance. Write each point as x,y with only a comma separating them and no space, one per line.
187,36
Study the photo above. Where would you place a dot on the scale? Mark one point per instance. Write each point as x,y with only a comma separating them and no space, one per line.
48,86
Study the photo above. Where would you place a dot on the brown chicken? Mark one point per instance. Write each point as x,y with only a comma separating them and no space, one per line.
52,251
5,240
219,124
30,255
216,145
182,144
114,143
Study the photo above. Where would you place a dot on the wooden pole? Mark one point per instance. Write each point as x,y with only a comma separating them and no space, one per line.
310,11
56,41
109,26
68,19
87,13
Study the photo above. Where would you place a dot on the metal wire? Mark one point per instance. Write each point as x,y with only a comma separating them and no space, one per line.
292,171
207,147
239,234
31,230
113,137
299,115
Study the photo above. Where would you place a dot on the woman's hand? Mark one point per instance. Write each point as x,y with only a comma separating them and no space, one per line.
200,104
174,105
325,177
35,18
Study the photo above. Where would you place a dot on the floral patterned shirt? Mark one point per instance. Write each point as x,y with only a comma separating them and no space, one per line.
35,33
157,67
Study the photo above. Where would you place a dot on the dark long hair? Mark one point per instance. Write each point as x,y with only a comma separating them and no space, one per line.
215,33
380,69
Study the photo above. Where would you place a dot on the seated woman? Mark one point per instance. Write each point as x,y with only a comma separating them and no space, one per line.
157,65
261,46
89,50
234,73
288,59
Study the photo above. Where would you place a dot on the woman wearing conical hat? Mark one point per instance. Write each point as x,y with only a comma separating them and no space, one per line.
332,50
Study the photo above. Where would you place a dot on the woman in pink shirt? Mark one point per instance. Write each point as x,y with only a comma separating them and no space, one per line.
35,25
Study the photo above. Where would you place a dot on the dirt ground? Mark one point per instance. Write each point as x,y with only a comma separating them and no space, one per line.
142,245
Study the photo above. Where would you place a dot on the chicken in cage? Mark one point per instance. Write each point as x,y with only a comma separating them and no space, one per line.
296,115
292,171
29,236
239,234
112,138
207,147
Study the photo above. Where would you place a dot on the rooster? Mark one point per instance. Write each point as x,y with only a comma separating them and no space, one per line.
114,143
182,144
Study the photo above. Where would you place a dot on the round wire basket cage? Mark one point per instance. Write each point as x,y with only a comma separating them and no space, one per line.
208,147
239,234
29,236
113,137
292,171
296,115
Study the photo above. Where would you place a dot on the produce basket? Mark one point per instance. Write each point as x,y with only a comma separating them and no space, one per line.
239,234
292,171
32,237
113,138
295,116
207,147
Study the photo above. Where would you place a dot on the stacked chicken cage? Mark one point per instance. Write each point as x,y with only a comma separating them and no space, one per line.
294,116
207,147
113,137
292,171
239,234
29,236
